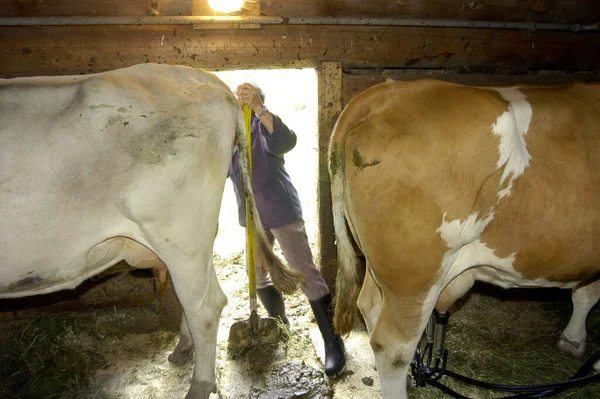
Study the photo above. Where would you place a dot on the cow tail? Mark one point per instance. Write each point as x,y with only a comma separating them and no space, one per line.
285,279
347,285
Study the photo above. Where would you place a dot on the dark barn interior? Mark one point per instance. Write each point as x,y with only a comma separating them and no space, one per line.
353,44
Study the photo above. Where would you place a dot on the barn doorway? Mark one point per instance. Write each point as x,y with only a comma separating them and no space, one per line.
292,95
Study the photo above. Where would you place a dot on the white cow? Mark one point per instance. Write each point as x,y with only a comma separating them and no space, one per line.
123,165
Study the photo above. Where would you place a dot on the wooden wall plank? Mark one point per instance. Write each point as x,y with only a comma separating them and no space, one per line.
564,11
356,81
27,51
68,8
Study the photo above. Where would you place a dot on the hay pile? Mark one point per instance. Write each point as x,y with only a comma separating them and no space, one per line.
48,357
509,337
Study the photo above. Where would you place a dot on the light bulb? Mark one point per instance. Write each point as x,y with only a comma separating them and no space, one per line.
226,6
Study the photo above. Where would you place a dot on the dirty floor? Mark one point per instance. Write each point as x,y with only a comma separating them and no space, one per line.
490,336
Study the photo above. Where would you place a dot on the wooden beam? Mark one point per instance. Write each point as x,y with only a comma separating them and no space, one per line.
27,51
330,107
558,11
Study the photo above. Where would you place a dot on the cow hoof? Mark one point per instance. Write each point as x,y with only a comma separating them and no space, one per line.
180,357
571,348
201,390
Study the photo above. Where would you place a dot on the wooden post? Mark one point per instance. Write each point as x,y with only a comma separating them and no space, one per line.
330,107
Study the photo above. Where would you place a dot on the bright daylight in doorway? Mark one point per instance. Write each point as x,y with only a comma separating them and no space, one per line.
292,95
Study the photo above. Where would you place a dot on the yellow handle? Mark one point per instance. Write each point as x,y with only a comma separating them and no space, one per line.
249,221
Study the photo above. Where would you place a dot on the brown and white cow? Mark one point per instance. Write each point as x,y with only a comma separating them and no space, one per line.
443,184
123,165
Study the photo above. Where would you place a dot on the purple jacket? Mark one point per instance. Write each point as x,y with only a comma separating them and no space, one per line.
276,198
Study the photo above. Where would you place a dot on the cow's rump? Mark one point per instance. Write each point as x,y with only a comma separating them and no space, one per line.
443,184
123,165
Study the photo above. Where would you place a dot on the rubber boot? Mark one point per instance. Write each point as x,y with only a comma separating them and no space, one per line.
272,300
335,360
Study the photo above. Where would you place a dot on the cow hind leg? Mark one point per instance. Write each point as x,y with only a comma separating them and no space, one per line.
394,336
201,298
572,340
185,346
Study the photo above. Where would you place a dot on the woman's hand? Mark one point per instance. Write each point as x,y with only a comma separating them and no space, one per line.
246,93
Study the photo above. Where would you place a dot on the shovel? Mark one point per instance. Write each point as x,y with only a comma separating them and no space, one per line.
255,330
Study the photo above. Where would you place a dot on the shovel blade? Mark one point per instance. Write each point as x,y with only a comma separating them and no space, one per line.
249,333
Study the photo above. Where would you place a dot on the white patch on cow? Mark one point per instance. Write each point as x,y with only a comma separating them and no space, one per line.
466,250
507,277
492,269
477,253
511,127
457,233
